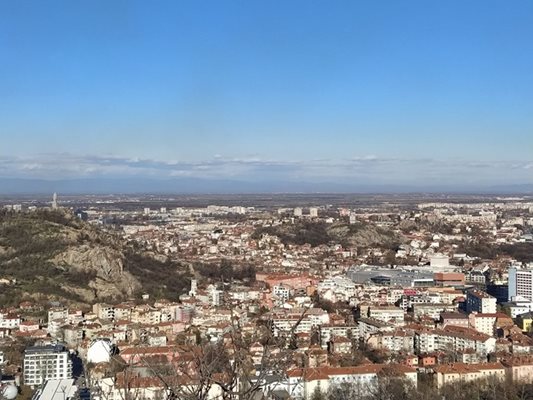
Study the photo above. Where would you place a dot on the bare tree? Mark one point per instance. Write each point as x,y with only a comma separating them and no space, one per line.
226,368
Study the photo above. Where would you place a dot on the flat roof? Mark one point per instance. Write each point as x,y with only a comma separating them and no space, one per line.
57,389
52,348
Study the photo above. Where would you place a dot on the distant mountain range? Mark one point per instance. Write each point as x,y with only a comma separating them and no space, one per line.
204,186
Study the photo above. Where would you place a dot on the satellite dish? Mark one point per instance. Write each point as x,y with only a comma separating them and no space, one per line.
9,392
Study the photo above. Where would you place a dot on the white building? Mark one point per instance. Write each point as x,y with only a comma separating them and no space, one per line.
342,287
485,323
298,319
42,363
57,389
453,339
9,321
432,310
282,292
57,313
302,383
397,341
481,302
439,261
104,311
327,332
519,306
194,287
368,326
147,388
215,295
100,351
520,283
391,314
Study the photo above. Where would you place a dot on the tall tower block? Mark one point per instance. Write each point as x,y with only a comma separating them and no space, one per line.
54,201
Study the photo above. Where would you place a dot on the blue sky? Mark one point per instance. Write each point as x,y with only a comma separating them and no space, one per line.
405,92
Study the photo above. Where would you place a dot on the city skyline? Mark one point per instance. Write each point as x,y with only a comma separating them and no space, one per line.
342,95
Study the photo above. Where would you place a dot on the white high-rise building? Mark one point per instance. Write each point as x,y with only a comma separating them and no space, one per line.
42,363
54,201
313,212
298,212
194,287
215,295
520,283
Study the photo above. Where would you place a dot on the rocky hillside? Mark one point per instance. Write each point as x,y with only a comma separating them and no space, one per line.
53,255
319,233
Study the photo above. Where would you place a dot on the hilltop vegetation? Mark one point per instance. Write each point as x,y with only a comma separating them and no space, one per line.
522,252
316,233
53,255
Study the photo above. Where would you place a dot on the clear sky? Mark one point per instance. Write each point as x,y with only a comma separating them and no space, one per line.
408,92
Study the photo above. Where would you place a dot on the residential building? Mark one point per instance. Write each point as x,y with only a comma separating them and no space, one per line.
104,311
432,310
394,342
46,362
301,383
9,321
392,314
329,331
448,374
481,302
525,321
520,283
453,338
519,369
368,326
488,323
57,313
282,292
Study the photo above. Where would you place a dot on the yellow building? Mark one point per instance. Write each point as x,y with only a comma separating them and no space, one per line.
524,321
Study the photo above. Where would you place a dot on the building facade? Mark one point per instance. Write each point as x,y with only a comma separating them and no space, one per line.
481,302
520,283
42,363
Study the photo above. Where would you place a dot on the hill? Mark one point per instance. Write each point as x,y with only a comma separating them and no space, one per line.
53,255
318,233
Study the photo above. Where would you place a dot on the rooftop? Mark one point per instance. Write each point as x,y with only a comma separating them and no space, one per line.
57,389
52,348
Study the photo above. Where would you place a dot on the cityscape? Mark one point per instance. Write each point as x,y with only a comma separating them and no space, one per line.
266,200
435,291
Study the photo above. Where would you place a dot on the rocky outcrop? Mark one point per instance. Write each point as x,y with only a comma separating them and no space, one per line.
105,264
320,233
54,256
363,236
